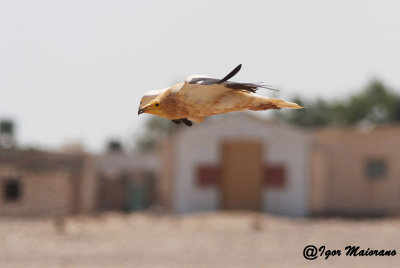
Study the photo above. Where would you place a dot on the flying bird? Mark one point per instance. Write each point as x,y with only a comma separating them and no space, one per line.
200,96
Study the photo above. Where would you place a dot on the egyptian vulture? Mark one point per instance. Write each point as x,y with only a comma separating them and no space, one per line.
200,96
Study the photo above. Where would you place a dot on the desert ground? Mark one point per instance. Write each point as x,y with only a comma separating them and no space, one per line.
223,239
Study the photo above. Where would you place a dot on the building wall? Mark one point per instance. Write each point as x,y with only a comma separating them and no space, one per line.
51,183
201,145
42,194
343,182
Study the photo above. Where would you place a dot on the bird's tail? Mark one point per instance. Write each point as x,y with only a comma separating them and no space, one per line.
272,103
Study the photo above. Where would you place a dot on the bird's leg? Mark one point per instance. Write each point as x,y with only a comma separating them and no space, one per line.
184,120
187,122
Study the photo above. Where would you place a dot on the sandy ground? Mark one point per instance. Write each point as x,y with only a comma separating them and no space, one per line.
197,240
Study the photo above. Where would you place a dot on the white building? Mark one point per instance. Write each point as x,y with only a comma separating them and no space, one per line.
237,161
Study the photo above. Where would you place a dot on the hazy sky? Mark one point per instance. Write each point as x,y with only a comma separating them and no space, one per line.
75,70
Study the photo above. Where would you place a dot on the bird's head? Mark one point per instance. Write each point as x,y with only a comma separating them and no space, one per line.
153,107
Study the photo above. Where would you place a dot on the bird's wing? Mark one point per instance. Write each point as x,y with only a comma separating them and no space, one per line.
209,88
199,93
151,95
208,81
205,80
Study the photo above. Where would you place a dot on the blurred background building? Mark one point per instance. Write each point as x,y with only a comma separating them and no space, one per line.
43,183
240,162
126,182
232,162
356,171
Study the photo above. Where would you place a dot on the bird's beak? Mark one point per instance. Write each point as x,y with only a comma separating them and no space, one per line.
140,111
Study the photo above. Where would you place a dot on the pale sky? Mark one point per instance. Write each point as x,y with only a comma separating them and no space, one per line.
76,70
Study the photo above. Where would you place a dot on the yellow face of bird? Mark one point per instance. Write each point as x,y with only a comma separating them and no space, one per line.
153,107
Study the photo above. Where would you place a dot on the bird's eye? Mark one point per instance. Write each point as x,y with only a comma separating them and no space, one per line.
157,104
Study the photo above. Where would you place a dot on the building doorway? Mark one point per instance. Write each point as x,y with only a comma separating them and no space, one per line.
241,175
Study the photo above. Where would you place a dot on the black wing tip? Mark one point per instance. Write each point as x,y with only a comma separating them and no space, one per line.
251,87
231,74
